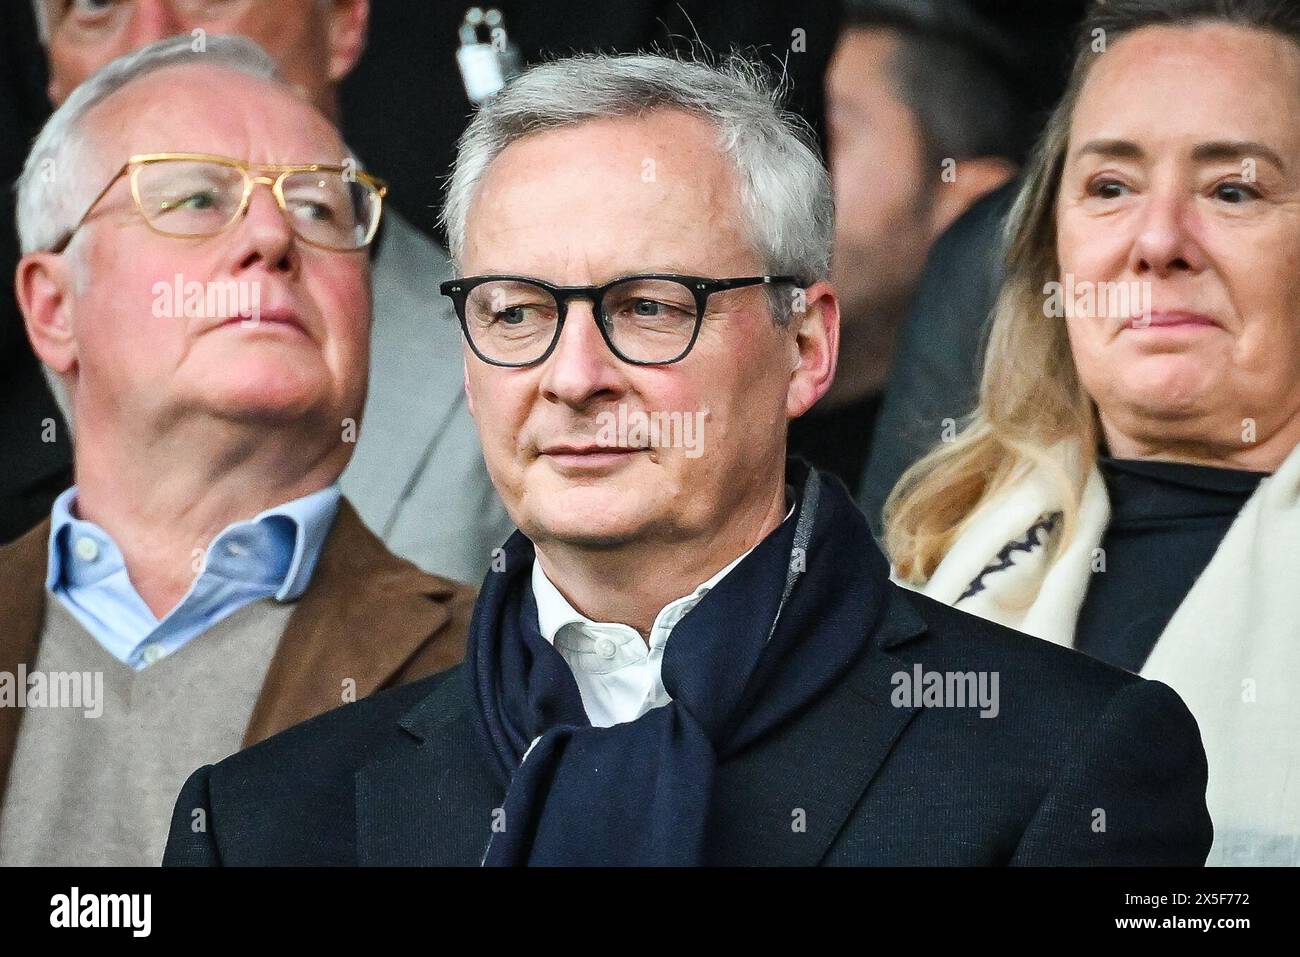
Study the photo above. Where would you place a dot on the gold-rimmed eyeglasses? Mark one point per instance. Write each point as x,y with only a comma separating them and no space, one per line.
196,195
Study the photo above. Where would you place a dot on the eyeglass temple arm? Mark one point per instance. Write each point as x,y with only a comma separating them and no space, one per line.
760,280
66,238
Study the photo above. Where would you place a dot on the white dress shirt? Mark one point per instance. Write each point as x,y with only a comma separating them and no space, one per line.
619,675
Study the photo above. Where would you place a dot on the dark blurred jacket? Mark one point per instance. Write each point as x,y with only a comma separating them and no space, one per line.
936,372
33,471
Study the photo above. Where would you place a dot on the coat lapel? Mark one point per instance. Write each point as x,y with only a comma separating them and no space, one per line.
432,801
785,800
364,616
23,565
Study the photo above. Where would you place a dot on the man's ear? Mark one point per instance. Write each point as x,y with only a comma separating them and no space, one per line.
349,21
43,284
816,320
969,181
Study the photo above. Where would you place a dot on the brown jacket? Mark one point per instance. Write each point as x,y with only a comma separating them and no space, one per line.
367,615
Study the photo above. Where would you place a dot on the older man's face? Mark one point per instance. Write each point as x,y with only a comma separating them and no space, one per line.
314,47
141,349
582,206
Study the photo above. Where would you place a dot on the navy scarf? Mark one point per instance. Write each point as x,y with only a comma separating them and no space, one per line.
773,636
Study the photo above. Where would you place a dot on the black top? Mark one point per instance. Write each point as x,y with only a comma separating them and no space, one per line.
1167,520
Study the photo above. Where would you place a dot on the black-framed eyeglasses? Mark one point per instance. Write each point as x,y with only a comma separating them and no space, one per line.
646,320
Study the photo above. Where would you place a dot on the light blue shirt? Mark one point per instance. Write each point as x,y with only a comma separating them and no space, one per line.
272,555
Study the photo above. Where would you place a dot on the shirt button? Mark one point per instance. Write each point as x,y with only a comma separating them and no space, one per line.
87,549
153,654
606,648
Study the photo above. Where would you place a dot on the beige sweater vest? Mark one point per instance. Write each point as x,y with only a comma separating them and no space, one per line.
94,783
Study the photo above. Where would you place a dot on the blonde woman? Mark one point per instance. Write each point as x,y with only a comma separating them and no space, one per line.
1129,483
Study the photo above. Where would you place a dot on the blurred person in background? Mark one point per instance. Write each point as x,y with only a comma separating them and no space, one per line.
922,121
935,375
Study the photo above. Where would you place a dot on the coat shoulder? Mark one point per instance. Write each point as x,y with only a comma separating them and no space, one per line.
952,635
1020,742
1034,700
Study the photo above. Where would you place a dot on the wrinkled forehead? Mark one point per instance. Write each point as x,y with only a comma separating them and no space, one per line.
626,193
197,108
1211,80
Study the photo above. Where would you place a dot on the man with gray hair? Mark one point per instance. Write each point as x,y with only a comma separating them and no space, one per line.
691,653
416,475
195,273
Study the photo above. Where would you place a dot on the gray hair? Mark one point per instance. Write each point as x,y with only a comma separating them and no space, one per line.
785,192
47,206
42,21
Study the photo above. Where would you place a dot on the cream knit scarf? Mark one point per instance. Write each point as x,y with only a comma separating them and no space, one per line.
1231,651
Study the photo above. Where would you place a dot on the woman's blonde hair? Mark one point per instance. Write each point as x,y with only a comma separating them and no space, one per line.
1030,397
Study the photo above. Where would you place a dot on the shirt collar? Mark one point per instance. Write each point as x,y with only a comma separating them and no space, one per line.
311,518
279,546
554,611
64,529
